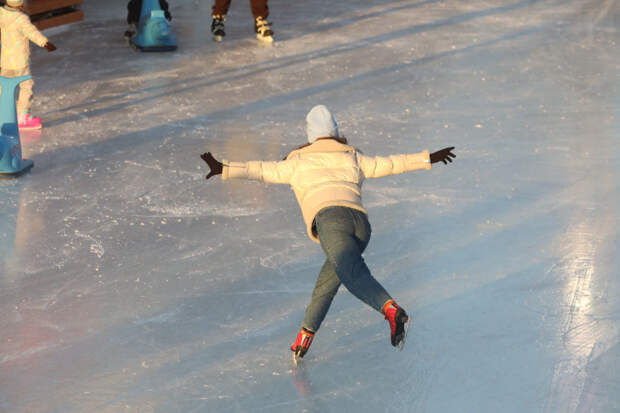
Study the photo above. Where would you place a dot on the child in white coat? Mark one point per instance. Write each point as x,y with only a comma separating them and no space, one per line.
17,32
327,176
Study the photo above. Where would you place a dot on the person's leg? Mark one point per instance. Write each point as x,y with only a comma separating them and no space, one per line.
259,8
24,98
134,7
262,27
220,7
344,234
166,9
24,101
4,73
324,291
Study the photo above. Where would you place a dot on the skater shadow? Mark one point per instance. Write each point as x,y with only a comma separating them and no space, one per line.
119,54
236,75
127,95
147,136
321,26
133,139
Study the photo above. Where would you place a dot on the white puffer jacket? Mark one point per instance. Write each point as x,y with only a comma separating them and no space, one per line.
326,173
17,32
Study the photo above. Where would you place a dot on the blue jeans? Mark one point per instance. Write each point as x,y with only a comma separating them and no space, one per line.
344,234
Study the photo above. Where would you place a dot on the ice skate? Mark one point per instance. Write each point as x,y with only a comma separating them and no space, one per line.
302,344
263,30
26,121
399,323
217,28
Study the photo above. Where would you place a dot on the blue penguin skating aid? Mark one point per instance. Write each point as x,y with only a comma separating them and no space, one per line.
11,163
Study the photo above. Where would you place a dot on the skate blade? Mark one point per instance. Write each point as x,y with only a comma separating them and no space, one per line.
218,38
295,358
402,341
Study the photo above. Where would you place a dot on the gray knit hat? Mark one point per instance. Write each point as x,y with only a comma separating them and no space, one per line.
320,124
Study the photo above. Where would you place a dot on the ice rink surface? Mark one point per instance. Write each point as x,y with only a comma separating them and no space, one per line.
130,284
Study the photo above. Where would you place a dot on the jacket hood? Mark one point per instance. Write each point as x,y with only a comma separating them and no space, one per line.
320,124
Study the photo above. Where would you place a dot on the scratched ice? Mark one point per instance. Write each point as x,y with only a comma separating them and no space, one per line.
129,284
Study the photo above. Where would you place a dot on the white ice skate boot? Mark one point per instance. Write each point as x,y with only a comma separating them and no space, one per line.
263,30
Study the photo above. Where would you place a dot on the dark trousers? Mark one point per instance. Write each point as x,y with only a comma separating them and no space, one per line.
134,7
259,8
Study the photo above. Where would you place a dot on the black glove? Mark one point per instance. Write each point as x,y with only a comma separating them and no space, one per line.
214,164
444,155
50,46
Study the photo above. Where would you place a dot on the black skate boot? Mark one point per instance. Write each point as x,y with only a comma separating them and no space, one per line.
263,30
217,28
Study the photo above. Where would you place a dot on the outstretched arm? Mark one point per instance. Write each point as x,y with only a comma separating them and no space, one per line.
271,172
30,31
380,166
